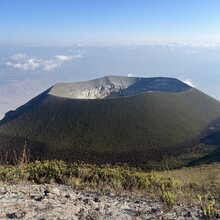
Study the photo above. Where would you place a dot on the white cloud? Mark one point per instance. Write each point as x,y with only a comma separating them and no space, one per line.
188,82
62,57
27,63
18,56
130,75
191,44
184,78
178,44
49,65
8,63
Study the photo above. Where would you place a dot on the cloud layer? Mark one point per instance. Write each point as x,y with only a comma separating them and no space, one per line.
26,63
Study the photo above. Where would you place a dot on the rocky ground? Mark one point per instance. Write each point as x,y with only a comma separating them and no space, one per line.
28,201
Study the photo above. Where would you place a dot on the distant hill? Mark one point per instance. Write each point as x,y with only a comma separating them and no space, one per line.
111,119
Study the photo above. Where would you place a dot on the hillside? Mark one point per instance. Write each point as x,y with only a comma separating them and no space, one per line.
141,124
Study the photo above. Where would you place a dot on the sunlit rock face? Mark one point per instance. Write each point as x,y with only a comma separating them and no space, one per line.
117,86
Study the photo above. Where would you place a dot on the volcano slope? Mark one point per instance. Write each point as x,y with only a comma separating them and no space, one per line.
108,120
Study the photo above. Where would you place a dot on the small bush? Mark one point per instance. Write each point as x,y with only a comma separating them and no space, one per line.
47,171
168,198
209,209
195,185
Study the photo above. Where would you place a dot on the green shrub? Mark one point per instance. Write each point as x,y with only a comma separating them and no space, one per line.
12,173
209,209
168,198
195,185
48,171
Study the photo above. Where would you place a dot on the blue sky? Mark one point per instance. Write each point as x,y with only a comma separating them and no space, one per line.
43,42
66,22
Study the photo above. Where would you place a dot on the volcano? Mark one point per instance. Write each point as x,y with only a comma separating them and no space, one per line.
108,120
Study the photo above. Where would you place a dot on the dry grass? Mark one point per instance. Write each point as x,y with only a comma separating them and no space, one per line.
204,173
198,186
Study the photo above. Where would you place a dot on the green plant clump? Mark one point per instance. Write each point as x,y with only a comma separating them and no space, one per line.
208,207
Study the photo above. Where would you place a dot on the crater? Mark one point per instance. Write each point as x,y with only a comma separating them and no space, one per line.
117,86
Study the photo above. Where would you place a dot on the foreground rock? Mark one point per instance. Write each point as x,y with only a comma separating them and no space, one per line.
61,202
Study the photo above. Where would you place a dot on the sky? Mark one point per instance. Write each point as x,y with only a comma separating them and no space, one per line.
68,22
43,42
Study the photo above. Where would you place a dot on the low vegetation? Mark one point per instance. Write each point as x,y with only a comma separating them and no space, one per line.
191,186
